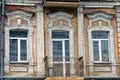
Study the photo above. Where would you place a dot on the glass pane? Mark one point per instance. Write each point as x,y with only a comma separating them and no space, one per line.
61,34
100,35
67,50
67,69
58,69
57,50
105,50
13,50
23,50
18,33
96,50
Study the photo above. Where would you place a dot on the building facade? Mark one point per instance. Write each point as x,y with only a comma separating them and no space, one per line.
62,40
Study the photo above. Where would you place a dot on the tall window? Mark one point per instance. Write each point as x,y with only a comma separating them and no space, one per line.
60,52
18,45
100,40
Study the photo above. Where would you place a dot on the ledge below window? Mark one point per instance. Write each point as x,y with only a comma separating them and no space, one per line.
14,62
102,62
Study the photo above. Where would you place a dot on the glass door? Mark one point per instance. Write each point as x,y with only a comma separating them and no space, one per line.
61,57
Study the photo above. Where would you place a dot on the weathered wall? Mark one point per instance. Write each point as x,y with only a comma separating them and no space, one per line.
35,41
14,68
114,26
56,23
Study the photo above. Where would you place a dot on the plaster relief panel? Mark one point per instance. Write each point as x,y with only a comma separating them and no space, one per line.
102,69
99,19
60,22
18,69
100,22
18,21
19,18
60,19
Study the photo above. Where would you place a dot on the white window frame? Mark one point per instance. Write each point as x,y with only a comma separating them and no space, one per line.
63,55
19,39
99,46
71,48
110,42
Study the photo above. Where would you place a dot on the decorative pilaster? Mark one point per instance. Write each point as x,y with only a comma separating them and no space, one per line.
118,27
40,41
81,46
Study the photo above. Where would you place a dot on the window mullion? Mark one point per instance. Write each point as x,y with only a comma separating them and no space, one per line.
18,49
63,44
100,52
27,49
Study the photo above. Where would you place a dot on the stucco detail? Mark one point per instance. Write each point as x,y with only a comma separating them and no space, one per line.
81,46
8,27
62,16
118,27
40,41
105,17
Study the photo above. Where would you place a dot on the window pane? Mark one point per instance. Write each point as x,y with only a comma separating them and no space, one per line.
96,50
61,34
58,69
105,50
67,65
67,50
18,33
13,50
100,35
57,50
23,50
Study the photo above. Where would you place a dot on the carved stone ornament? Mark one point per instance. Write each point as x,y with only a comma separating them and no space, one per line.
19,15
99,16
60,16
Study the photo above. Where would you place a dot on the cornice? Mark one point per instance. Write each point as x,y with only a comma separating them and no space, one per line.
23,2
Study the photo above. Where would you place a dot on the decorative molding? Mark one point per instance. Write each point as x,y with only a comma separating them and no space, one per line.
19,14
106,17
40,41
67,17
101,4
99,16
103,69
18,69
29,27
24,2
60,16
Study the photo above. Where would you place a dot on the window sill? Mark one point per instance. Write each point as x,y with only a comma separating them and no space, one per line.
102,62
14,62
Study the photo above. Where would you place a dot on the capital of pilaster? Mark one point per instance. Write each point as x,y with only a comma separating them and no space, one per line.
80,9
117,8
39,8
